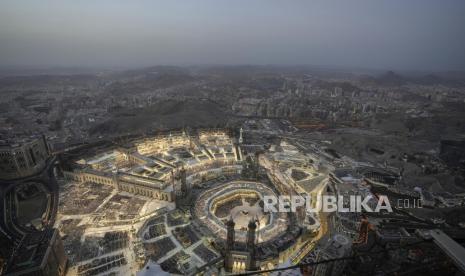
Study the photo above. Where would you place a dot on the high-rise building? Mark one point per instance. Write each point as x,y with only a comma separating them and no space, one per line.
23,158
38,254
25,163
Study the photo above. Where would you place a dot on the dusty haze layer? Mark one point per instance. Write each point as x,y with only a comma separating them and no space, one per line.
395,34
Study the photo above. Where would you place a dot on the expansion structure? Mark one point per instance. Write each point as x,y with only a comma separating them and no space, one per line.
151,166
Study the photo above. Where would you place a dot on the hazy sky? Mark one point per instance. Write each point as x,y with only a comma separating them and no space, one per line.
384,34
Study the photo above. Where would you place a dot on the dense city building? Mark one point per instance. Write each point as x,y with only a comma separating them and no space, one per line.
165,181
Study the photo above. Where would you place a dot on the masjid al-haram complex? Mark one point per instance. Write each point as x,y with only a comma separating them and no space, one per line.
187,201
191,202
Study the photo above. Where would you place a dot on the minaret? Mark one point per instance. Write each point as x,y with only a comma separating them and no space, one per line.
172,184
182,175
251,243
241,139
230,236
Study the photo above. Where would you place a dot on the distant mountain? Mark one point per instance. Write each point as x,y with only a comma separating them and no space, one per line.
144,81
46,80
442,79
391,78
166,114
430,79
152,71
50,71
